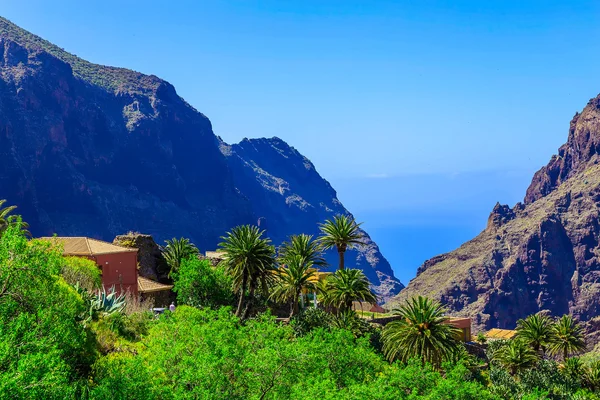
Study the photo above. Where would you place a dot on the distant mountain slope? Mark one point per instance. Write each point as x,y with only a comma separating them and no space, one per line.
98,151
284,187
540,255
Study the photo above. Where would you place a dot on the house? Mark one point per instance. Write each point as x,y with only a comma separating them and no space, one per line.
498,334
368,307
118,264
464,324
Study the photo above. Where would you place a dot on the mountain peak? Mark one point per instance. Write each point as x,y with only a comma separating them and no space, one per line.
91,150
581,149
537,256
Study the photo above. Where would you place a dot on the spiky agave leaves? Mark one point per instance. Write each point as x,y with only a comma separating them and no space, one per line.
421,332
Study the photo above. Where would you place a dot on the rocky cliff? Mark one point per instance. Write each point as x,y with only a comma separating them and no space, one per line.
542,254
96,151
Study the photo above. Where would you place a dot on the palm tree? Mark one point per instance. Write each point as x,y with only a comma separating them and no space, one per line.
342,233
303,246
346,286
536,330
567,337
6,219
516,356
250,260
591,375
421,332
296,276
176,251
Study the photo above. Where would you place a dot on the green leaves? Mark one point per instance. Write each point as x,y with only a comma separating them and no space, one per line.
296,276
567,337
516,356
303,246
421,332
177,250
199,284
346,286
250,260
341,232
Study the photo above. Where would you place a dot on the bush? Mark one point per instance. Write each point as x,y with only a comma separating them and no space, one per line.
310,319
45,352
83,272
199,284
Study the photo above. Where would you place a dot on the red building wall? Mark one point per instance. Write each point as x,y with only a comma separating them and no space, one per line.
119,270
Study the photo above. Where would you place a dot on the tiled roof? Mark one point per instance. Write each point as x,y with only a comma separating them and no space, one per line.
146,285
500,334
83,246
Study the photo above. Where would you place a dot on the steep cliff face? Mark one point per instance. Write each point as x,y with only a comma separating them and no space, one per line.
91,150
542,254
288,193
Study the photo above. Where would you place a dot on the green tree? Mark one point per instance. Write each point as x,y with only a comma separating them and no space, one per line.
342,232
82,272
250,260
7,219
45,351
297,275
567,337
536,330
199,284
516,356
177,250
347,286
421,332
302,246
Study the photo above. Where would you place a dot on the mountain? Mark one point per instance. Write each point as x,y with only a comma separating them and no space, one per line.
542,254
90,150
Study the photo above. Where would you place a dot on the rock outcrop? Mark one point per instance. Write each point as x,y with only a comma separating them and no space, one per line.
90,150
151,263
542,254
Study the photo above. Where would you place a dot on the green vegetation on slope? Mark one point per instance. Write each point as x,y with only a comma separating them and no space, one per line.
59,341
109,78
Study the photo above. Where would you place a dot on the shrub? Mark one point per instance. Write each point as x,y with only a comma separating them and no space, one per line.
82,272
199,284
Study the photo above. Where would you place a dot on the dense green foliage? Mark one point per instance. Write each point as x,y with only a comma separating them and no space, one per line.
52,349
346,286
250,260
421,332
177,250
82,272
199,284
208,354
296,276
45,351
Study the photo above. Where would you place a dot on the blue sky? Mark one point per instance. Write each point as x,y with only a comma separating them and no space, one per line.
422,114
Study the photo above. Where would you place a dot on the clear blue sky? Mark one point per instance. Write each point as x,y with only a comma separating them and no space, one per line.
421,113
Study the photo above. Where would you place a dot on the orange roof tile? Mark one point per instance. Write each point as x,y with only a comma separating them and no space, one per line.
500,334
146,285
83,246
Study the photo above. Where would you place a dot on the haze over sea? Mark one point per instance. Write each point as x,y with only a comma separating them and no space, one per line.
421,114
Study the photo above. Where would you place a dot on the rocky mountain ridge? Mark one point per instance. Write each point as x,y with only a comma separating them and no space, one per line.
542,254
90,150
